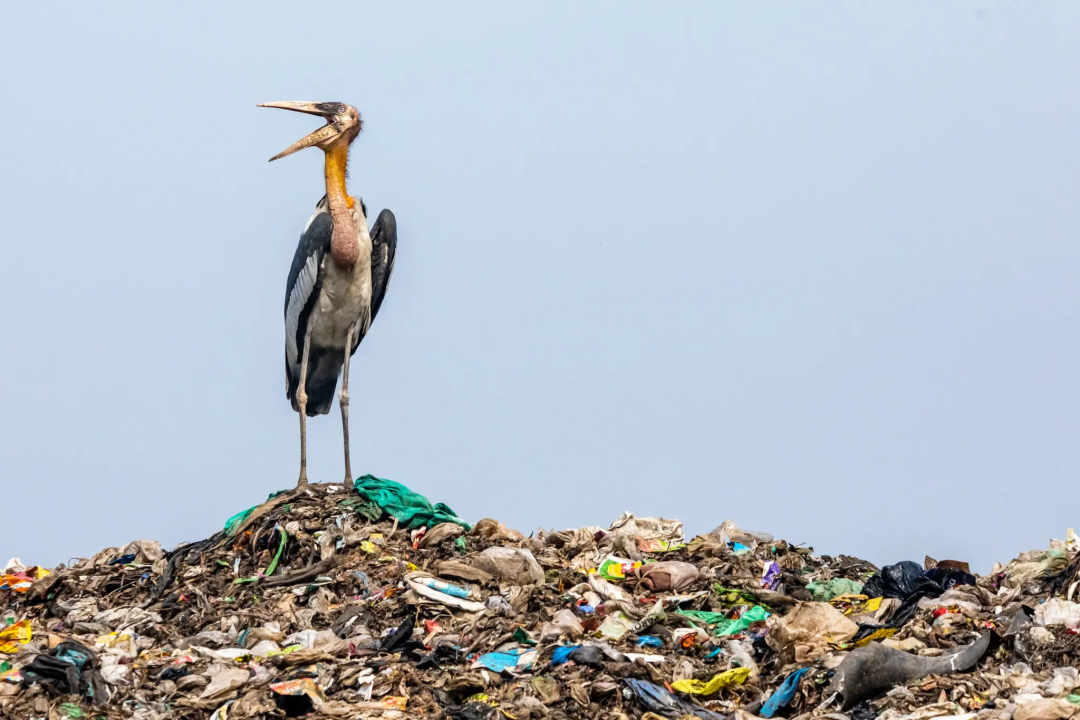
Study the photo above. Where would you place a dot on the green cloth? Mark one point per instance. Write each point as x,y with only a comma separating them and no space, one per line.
734,627
379,496
709,618
71,710
363,507
233,523
721,625
411,509
826,591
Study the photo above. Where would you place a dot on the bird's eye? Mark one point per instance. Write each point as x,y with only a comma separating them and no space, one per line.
343,109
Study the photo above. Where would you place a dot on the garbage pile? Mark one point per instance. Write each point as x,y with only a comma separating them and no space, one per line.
371,602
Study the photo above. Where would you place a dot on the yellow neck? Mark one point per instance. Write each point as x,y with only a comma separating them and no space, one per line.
337,158
344,245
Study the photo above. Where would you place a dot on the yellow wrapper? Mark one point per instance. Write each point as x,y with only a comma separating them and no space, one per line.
735,676
15,635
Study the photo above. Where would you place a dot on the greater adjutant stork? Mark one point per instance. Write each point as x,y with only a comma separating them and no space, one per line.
337,280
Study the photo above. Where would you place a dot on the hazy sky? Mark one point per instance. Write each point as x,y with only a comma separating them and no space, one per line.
809,266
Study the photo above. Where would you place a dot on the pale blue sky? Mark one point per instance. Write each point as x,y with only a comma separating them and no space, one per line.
809,266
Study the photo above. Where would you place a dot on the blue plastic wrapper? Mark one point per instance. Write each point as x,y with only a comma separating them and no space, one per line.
562,654
783,694
739,548
519,659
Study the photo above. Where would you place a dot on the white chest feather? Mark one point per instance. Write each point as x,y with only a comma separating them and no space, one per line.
345,297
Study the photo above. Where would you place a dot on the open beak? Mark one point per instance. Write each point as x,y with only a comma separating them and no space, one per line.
327,132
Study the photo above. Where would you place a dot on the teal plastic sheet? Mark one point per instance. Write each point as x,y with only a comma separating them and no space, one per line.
411,509
233,523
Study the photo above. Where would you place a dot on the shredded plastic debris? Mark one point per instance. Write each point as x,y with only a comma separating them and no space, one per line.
377,603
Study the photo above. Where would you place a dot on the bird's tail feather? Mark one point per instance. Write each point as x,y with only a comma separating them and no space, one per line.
324,367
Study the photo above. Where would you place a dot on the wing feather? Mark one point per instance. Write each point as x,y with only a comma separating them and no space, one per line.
305,279
383,251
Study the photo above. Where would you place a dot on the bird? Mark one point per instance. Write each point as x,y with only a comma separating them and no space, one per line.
337,280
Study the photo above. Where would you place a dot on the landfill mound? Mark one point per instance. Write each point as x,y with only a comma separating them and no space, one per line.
374,603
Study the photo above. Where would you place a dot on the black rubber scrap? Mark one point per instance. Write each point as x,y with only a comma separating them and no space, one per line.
869,671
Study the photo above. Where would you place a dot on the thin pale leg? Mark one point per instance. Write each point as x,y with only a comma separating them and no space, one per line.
343,401
302,483
301,402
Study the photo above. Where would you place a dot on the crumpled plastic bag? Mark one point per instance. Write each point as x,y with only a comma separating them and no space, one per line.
615,626
1063,681
15,635
948,578
224,680
324,640
736,676
516,566
735,626
729,532
783,694
651,534
1035,564
564,623
126,617
901,581
438,533
670,575
953,599
511,660
70,667
145,551
495,530
1036,707
804,634
656,699
742,655
607,590
1056,611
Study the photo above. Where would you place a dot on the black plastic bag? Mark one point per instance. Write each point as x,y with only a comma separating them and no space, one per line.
400,641
441,654
471,711
948,578
174,673
70,668
901,580
588,655
907,610
658,700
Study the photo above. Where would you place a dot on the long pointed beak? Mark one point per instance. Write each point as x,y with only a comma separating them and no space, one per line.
326,132
296,106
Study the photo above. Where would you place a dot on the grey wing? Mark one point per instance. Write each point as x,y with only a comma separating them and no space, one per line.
383,249
304,282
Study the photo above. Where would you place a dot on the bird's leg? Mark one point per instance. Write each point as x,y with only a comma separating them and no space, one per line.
343,401
301,402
